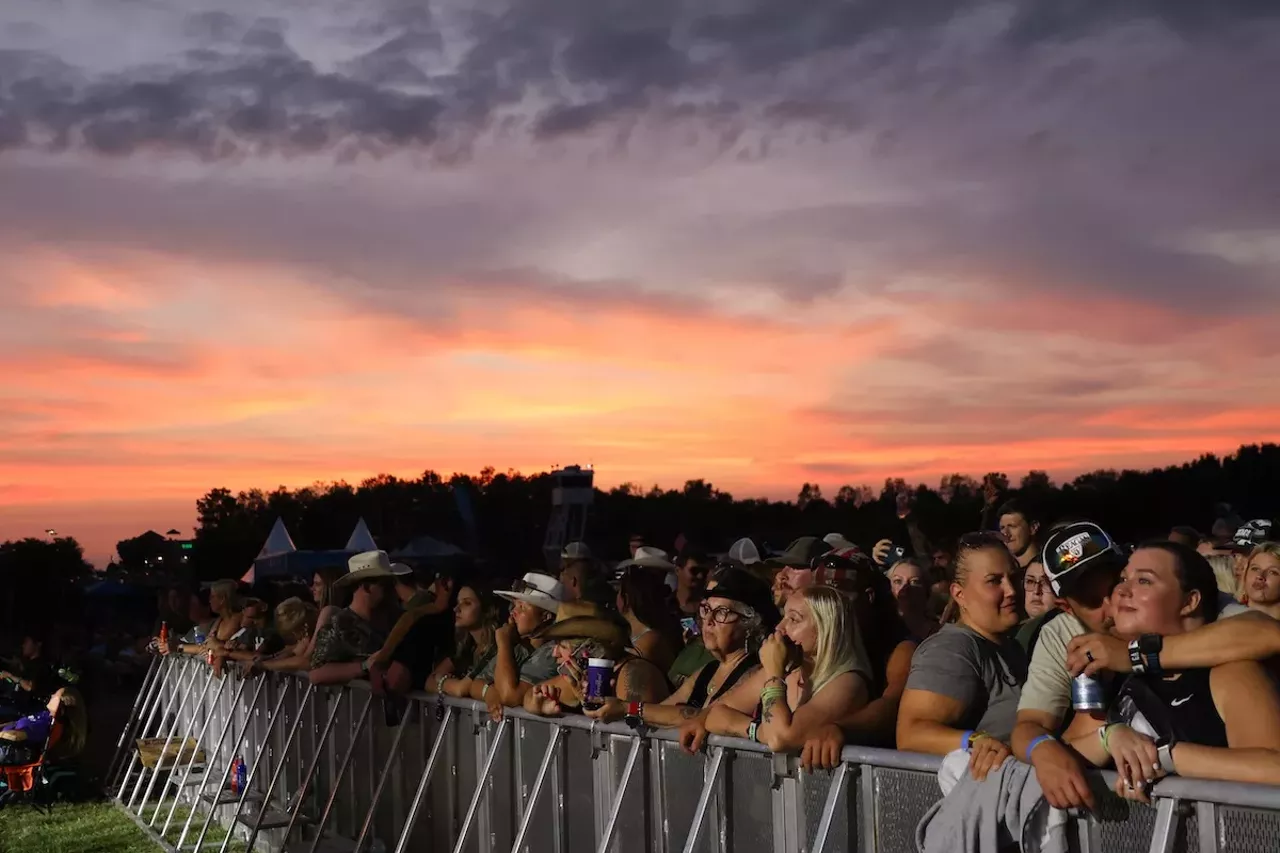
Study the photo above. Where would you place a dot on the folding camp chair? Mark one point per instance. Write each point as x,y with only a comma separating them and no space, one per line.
20,780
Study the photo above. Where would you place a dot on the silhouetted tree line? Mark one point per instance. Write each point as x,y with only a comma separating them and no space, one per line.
39,579
511,510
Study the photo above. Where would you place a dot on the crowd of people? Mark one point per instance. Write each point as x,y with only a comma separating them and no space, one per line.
1052,648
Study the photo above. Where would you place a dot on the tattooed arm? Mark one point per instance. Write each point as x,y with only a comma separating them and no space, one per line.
640,681
675,709
783,728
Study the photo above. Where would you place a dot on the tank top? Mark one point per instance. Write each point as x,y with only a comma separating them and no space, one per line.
1189,698
698,697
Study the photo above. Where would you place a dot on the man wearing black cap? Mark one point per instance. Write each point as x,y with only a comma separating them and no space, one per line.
796,567
1082,565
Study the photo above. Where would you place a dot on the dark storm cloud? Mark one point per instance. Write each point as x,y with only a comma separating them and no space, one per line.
245,89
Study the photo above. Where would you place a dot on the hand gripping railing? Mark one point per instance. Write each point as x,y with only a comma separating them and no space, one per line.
872,801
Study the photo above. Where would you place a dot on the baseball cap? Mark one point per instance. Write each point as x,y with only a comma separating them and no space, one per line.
576,551
746,551
745,588
1251,535
1070,550
839,570
800,554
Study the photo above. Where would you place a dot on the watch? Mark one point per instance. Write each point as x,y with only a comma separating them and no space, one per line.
364,666
1150,646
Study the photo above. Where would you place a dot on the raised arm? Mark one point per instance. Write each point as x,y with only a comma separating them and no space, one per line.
1247,637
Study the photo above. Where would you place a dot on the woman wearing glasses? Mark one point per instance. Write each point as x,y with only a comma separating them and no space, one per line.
965,680
813,671
735,618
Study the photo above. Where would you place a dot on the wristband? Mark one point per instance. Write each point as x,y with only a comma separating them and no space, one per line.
364,666
752,730
1135,658
966,739
1165,754
1150,646
484,692
1104,736
440,683
1034,743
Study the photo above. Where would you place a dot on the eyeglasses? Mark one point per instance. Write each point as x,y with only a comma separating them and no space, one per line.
718,615
1036,585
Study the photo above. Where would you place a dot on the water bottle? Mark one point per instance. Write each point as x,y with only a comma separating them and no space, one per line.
235,775
242,775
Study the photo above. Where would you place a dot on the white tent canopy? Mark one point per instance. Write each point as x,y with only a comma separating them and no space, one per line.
278,542
361,539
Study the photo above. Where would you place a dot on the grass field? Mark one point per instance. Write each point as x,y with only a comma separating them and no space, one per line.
91,828
72,828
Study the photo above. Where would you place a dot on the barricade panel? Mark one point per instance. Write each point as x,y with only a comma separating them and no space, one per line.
579,794
748,785
756,802
1244,830
901,799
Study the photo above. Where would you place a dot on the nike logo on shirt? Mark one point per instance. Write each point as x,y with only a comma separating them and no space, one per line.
1176,702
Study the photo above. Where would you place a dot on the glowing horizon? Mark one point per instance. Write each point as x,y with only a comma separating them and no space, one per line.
252,252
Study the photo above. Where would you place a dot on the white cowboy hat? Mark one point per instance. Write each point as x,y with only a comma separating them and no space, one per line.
649,558
370,565
401,569
542,591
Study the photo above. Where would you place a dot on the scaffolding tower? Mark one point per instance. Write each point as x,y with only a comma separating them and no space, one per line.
570,500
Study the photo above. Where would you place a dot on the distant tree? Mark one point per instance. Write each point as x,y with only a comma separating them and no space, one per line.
809,493
40,577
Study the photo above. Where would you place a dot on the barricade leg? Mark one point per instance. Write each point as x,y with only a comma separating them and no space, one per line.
186,774
304,786
150,684
224,774
177,724
424,784
382,780
637,745
162,699
1165,832
481,782
544,768
279,768
179,700
209,757
342,771
838,780
255,767
711,781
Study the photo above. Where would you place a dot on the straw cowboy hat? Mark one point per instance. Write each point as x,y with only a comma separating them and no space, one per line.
649,558
581,620
368,566
535,588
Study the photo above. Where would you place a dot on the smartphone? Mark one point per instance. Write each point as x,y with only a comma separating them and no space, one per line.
690,626
897,553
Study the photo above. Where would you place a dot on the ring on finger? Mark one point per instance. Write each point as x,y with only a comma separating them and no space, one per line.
1088,655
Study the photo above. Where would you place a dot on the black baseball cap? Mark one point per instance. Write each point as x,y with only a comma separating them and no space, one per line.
745,588
1073,550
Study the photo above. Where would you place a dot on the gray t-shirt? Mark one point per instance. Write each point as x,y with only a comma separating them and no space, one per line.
520,653
984,677
541,665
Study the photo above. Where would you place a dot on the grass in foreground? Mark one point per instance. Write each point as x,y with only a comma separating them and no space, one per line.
72,828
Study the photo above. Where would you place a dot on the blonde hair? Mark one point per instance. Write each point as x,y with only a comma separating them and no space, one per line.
1224,572
295,618
839,647
230,590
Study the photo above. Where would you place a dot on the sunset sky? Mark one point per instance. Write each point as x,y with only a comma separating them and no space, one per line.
759,242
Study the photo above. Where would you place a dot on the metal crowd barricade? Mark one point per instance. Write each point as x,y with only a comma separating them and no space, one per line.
326,774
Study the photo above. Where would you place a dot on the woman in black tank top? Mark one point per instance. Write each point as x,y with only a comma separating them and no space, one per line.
1220,723
735,616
